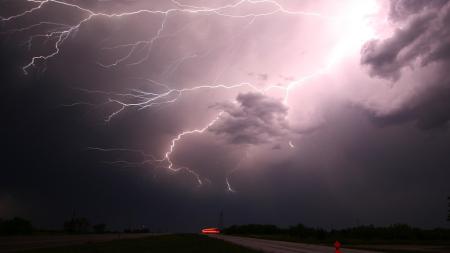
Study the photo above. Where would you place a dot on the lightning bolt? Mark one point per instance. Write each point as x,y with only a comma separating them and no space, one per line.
63,34
291,144
235,169
167,155
58,33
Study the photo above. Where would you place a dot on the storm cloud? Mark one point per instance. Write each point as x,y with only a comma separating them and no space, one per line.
423,37
421,43
253,119
291,110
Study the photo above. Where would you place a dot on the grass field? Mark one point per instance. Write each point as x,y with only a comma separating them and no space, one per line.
155,244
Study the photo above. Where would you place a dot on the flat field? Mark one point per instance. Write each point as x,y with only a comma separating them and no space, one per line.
187,243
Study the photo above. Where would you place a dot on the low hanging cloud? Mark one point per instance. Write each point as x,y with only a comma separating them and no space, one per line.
401,9
422,43
253,119
424,37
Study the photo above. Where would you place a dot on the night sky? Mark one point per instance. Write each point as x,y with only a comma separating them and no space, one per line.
164,113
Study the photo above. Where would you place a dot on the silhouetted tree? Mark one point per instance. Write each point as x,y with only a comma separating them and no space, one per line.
253,229
76,226
15,226
99,228
368,232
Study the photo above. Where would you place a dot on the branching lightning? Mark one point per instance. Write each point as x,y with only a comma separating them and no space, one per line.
58,33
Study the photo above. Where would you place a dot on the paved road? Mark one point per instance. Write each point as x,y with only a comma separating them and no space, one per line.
282,247
19,243
426,248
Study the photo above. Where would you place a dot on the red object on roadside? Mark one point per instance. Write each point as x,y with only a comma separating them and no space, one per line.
210,231
337,245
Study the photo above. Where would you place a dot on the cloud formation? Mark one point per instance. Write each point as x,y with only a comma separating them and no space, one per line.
421,42
253,119
341,162
423,38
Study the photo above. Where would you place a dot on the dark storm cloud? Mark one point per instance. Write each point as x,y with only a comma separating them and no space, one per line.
349,169
429,110
386,58
355,171
401,9
423,41
254,119
423,37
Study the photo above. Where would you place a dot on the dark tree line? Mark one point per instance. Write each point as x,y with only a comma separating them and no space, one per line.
15,226
75,225
21,226
369,232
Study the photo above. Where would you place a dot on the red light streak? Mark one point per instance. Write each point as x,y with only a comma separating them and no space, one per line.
210,231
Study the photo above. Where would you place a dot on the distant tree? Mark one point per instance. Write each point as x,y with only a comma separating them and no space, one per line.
368,232
253,229
15,226
321,234
76,226
99,228
142,229
301,231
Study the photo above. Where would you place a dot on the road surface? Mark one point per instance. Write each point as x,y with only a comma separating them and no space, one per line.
282,247
19,243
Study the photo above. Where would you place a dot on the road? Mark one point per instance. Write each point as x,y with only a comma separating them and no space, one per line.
19,243
282,247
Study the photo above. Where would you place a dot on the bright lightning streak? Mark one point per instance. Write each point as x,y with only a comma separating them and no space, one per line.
148,158
229,188
151,99
63,34
291,144
167,155
60,32
236,168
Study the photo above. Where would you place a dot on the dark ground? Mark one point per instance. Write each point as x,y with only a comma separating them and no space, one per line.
390,246
165,243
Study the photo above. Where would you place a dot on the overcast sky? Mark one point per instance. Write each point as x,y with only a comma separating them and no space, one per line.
163,113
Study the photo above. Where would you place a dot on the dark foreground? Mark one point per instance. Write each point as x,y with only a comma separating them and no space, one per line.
289,246
142,243
155,244
20,243
281,246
